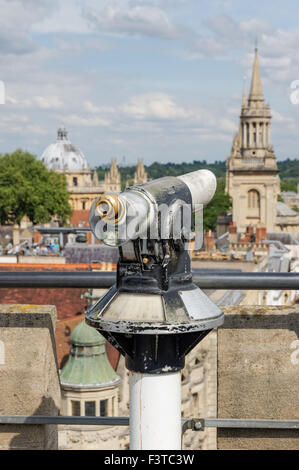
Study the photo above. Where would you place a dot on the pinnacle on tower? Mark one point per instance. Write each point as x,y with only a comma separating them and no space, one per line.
256,91
95,179
244,98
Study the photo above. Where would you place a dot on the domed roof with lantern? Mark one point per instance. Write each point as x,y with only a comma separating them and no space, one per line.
63,155
88,365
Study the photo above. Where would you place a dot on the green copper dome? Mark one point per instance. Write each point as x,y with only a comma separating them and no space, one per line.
84,335
87,365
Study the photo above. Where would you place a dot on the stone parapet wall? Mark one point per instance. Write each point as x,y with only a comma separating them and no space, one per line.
29,380
258,365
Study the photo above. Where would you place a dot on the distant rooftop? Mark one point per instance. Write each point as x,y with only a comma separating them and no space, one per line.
284,237
284,210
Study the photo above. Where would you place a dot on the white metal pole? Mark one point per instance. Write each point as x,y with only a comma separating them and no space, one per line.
155,411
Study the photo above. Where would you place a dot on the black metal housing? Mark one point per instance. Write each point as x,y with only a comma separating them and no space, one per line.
154,354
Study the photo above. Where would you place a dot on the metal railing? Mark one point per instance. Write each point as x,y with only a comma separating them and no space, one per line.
105,279
195,424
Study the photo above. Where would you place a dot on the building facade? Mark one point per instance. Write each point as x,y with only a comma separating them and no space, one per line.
252,178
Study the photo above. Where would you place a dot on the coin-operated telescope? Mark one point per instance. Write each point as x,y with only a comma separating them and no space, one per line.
154,314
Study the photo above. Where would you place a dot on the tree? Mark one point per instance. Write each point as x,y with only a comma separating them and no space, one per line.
27,188
220,203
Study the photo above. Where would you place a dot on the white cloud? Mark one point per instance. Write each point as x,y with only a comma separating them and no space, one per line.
47,102
279,118
41,102
10,117
125,18
155,106
16,18
36,129
233,110
91,107
215,136
227,125
65,75
76,44
67,18
77,120
104,110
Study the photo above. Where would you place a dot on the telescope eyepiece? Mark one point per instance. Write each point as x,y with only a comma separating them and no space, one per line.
110,208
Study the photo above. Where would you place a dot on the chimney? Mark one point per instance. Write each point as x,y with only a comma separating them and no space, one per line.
232,228
210,241
261,233
233,234
37,236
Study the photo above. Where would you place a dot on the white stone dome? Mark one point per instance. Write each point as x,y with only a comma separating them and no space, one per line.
63,155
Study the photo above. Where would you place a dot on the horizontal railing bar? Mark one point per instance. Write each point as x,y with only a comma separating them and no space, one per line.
85,420
51,230
248,423
105,279
195,423
57,279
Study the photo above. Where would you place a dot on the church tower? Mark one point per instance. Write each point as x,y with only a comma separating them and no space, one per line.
251,171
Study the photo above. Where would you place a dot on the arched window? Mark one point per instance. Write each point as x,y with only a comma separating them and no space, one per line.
253,203
253,199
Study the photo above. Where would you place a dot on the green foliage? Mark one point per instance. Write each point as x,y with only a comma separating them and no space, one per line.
156,170
220,203
289,169
289,175
289,185
27,188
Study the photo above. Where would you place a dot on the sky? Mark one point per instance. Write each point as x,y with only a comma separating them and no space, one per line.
159,80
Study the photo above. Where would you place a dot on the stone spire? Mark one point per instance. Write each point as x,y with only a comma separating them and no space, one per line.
95,178
140,175
244,98
112,178
256,91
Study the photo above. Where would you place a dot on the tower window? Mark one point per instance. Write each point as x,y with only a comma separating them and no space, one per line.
254,133
75,408
90,408
247,133
75,181
103,407
84,205
253,199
